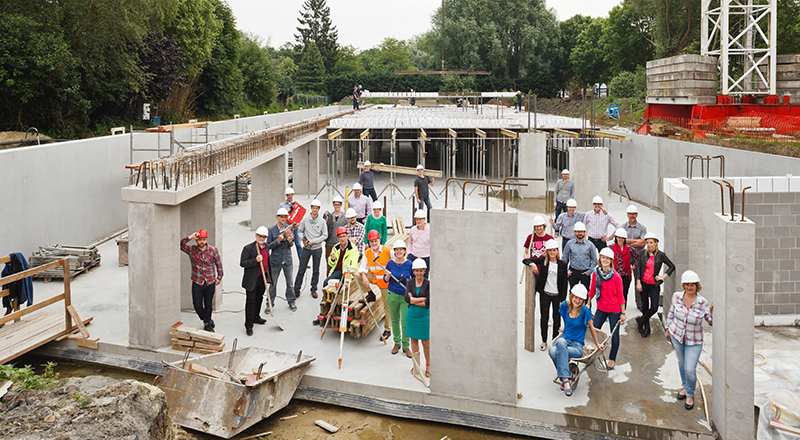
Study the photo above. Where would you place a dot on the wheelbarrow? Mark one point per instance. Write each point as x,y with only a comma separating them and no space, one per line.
591,354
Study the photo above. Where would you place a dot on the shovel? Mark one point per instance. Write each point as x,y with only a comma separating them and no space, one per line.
269,298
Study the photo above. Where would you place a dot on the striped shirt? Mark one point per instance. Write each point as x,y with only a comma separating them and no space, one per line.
686,325
203,263
597,224
356,233
419,241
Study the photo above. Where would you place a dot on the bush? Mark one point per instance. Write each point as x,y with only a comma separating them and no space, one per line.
629,84
27,379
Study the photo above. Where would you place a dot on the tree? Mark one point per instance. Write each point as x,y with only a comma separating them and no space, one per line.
316,27
788,26
286,71
311,73
673,25
221,80
162,62
568,36
625,40
392,55
587,57
259,74
196,27
347,62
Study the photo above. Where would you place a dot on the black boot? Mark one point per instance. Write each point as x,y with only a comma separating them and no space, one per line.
646,332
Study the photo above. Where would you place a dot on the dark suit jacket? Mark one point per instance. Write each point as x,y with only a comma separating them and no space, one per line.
541,280
252,270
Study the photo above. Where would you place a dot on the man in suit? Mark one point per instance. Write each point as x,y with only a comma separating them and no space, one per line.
255,256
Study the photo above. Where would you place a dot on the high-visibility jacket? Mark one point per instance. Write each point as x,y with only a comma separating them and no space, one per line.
350,261
383,259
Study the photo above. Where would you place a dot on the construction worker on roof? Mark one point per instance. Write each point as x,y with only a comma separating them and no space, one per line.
375,260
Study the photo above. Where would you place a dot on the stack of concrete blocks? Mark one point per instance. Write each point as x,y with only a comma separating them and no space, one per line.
588,168
682,79
476,347
532,156
676,235
773,204
787,76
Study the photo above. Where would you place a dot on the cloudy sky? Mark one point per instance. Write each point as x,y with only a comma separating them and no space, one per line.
364,23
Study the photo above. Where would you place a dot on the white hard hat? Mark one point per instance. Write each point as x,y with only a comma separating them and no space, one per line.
579,226
367,163
289,190
377,205
282,211
350,213
337,199
356,186
538,221
262,230
607,252
551,244
597,199
572,203
632,209
651,235
621,233
690,276
565,171
420,167
578,290
419,263
399,244
420,214
316,202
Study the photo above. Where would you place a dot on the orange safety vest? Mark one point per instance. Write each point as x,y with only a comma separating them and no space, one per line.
383,259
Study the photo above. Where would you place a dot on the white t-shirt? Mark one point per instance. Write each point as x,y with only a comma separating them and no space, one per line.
551,285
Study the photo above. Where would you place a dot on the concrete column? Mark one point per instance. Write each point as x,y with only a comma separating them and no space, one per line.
153,273
589,170
306,168
704,203
734,277
267,183
203,211
675,241
532,158
474,349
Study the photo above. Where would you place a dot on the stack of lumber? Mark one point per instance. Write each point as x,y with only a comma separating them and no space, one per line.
664,130
229,190
402,170
399,231
359,322
197,341
81,259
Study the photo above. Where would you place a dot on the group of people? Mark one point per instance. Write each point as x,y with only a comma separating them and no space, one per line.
354,241
590,280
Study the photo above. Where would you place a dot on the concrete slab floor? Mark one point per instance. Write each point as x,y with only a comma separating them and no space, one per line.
639,391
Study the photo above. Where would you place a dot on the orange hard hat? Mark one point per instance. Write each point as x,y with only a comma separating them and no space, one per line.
202,233
374,235
341,231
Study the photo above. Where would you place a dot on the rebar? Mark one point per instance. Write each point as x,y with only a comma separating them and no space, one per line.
743,190
722,196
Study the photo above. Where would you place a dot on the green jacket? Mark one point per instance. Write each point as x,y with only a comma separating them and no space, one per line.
350,257
377,225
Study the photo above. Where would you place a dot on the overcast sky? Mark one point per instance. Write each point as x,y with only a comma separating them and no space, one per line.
364,23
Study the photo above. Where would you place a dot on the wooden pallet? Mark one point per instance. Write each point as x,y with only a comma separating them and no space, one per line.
48,278
359,321
197,341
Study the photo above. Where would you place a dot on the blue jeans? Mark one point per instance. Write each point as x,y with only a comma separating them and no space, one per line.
411,258
561,352
598,320
688,355
273,288
301,271
336,275
560,207
427,202
371,193
297,244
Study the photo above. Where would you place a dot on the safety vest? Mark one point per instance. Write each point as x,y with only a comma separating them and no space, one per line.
383,259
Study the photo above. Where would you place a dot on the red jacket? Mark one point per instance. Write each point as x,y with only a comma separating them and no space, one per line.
611,298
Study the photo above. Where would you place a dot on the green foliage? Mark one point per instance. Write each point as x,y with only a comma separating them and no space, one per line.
81,399
348,62
587,57
458,83
316,27
26,379
311,72
196,26
286,71
392,55
259,74
625,40
221,81
671,25
788,26
629,84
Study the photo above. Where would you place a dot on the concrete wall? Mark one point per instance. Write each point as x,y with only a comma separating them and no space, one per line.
306,166
267,185
473,348
532,158
203,211
676,235
589,170
69,192
646,160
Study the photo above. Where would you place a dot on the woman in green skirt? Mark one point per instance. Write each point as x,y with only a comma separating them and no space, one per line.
418,316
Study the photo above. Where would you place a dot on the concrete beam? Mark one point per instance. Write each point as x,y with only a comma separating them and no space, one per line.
201,212
734,276
267,184
475,350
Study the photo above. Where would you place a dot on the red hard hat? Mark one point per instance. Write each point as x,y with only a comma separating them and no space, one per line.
202,233
374,235
341,231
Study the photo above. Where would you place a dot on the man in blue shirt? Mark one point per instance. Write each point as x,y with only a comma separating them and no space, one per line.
581,257
279,242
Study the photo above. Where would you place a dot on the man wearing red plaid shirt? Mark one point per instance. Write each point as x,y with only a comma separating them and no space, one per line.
205,262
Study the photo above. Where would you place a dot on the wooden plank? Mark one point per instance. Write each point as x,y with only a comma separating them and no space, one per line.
509,133
423,134
335,134
204,346
364,134
28,334
394,134
214,338
571,134
194,350
77,319
326,426
197,368
480,133
402,170
88,343
452,133
7,258
27,310
26,273
173,127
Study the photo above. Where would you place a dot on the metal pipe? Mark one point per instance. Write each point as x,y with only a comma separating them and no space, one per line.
526,179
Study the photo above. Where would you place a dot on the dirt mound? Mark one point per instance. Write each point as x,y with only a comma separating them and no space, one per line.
93,407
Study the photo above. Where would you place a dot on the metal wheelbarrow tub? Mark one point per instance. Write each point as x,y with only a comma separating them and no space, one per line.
225,408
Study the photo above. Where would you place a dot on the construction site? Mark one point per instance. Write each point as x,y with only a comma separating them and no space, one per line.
100,221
